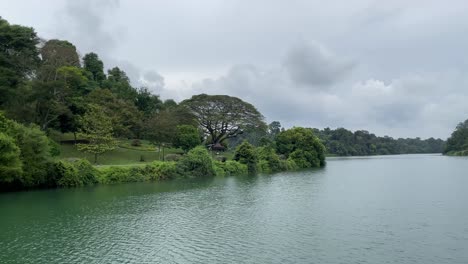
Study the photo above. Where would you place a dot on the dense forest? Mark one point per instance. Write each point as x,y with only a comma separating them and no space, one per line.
343,142
48,89
457,143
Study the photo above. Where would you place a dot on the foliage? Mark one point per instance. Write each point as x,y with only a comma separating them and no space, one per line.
10,161
269,161
97,130
125,118
113,175
230,168
457,143
95,66
159,170
197,163
19,58
302,146
222,116
72,174
343,142
186,137
245,154
162,127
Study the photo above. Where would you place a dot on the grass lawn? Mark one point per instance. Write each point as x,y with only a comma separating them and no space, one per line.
118,156
125,154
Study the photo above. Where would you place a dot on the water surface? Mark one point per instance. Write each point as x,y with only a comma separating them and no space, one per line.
386,209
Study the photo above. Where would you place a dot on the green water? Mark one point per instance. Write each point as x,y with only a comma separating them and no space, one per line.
393,209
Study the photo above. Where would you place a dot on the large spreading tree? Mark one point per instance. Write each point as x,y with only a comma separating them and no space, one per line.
222,117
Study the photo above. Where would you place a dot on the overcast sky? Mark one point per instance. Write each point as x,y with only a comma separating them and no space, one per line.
396,68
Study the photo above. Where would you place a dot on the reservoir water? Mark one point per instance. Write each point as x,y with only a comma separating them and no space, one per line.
383,209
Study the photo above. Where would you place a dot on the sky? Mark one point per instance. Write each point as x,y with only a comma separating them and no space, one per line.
396,68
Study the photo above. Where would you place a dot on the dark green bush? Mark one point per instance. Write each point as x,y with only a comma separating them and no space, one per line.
230,168
196,164
159,170
269,161
111,175
245,154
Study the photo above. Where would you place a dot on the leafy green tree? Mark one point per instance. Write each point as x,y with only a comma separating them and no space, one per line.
162,127
125,117
95,66
19,58
96,128
186,137
56,54
302,146
245,154
197,163
119,84
274,128
148,103
222,117
35,151
10,160
457,143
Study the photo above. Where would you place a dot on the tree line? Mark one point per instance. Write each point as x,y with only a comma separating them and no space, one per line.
457,143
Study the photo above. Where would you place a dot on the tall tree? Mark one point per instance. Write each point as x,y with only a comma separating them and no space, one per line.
187,137
457,143
119,84
97,130
222,116
19,58
95,66
55,54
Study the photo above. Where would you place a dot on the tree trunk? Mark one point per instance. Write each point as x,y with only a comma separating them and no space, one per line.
95,158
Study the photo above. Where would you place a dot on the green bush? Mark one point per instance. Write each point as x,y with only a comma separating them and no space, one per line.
87,172
230,168
159,170
10,162
302,146
34,148
245,154
196,164
112,175
269,161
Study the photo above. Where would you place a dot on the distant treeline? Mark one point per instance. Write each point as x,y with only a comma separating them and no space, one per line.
343,142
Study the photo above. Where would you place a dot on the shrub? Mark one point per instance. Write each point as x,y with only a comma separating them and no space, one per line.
87,172
245,154
196,164
230,168
111,175
66,174
159,170
10,162
269,161
300,145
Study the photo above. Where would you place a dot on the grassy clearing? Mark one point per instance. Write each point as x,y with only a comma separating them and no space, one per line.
118,156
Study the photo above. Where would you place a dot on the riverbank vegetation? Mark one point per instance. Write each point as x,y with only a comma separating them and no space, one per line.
63,117
457,143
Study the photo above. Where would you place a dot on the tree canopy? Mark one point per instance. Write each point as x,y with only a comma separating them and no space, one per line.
222,117
457,143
